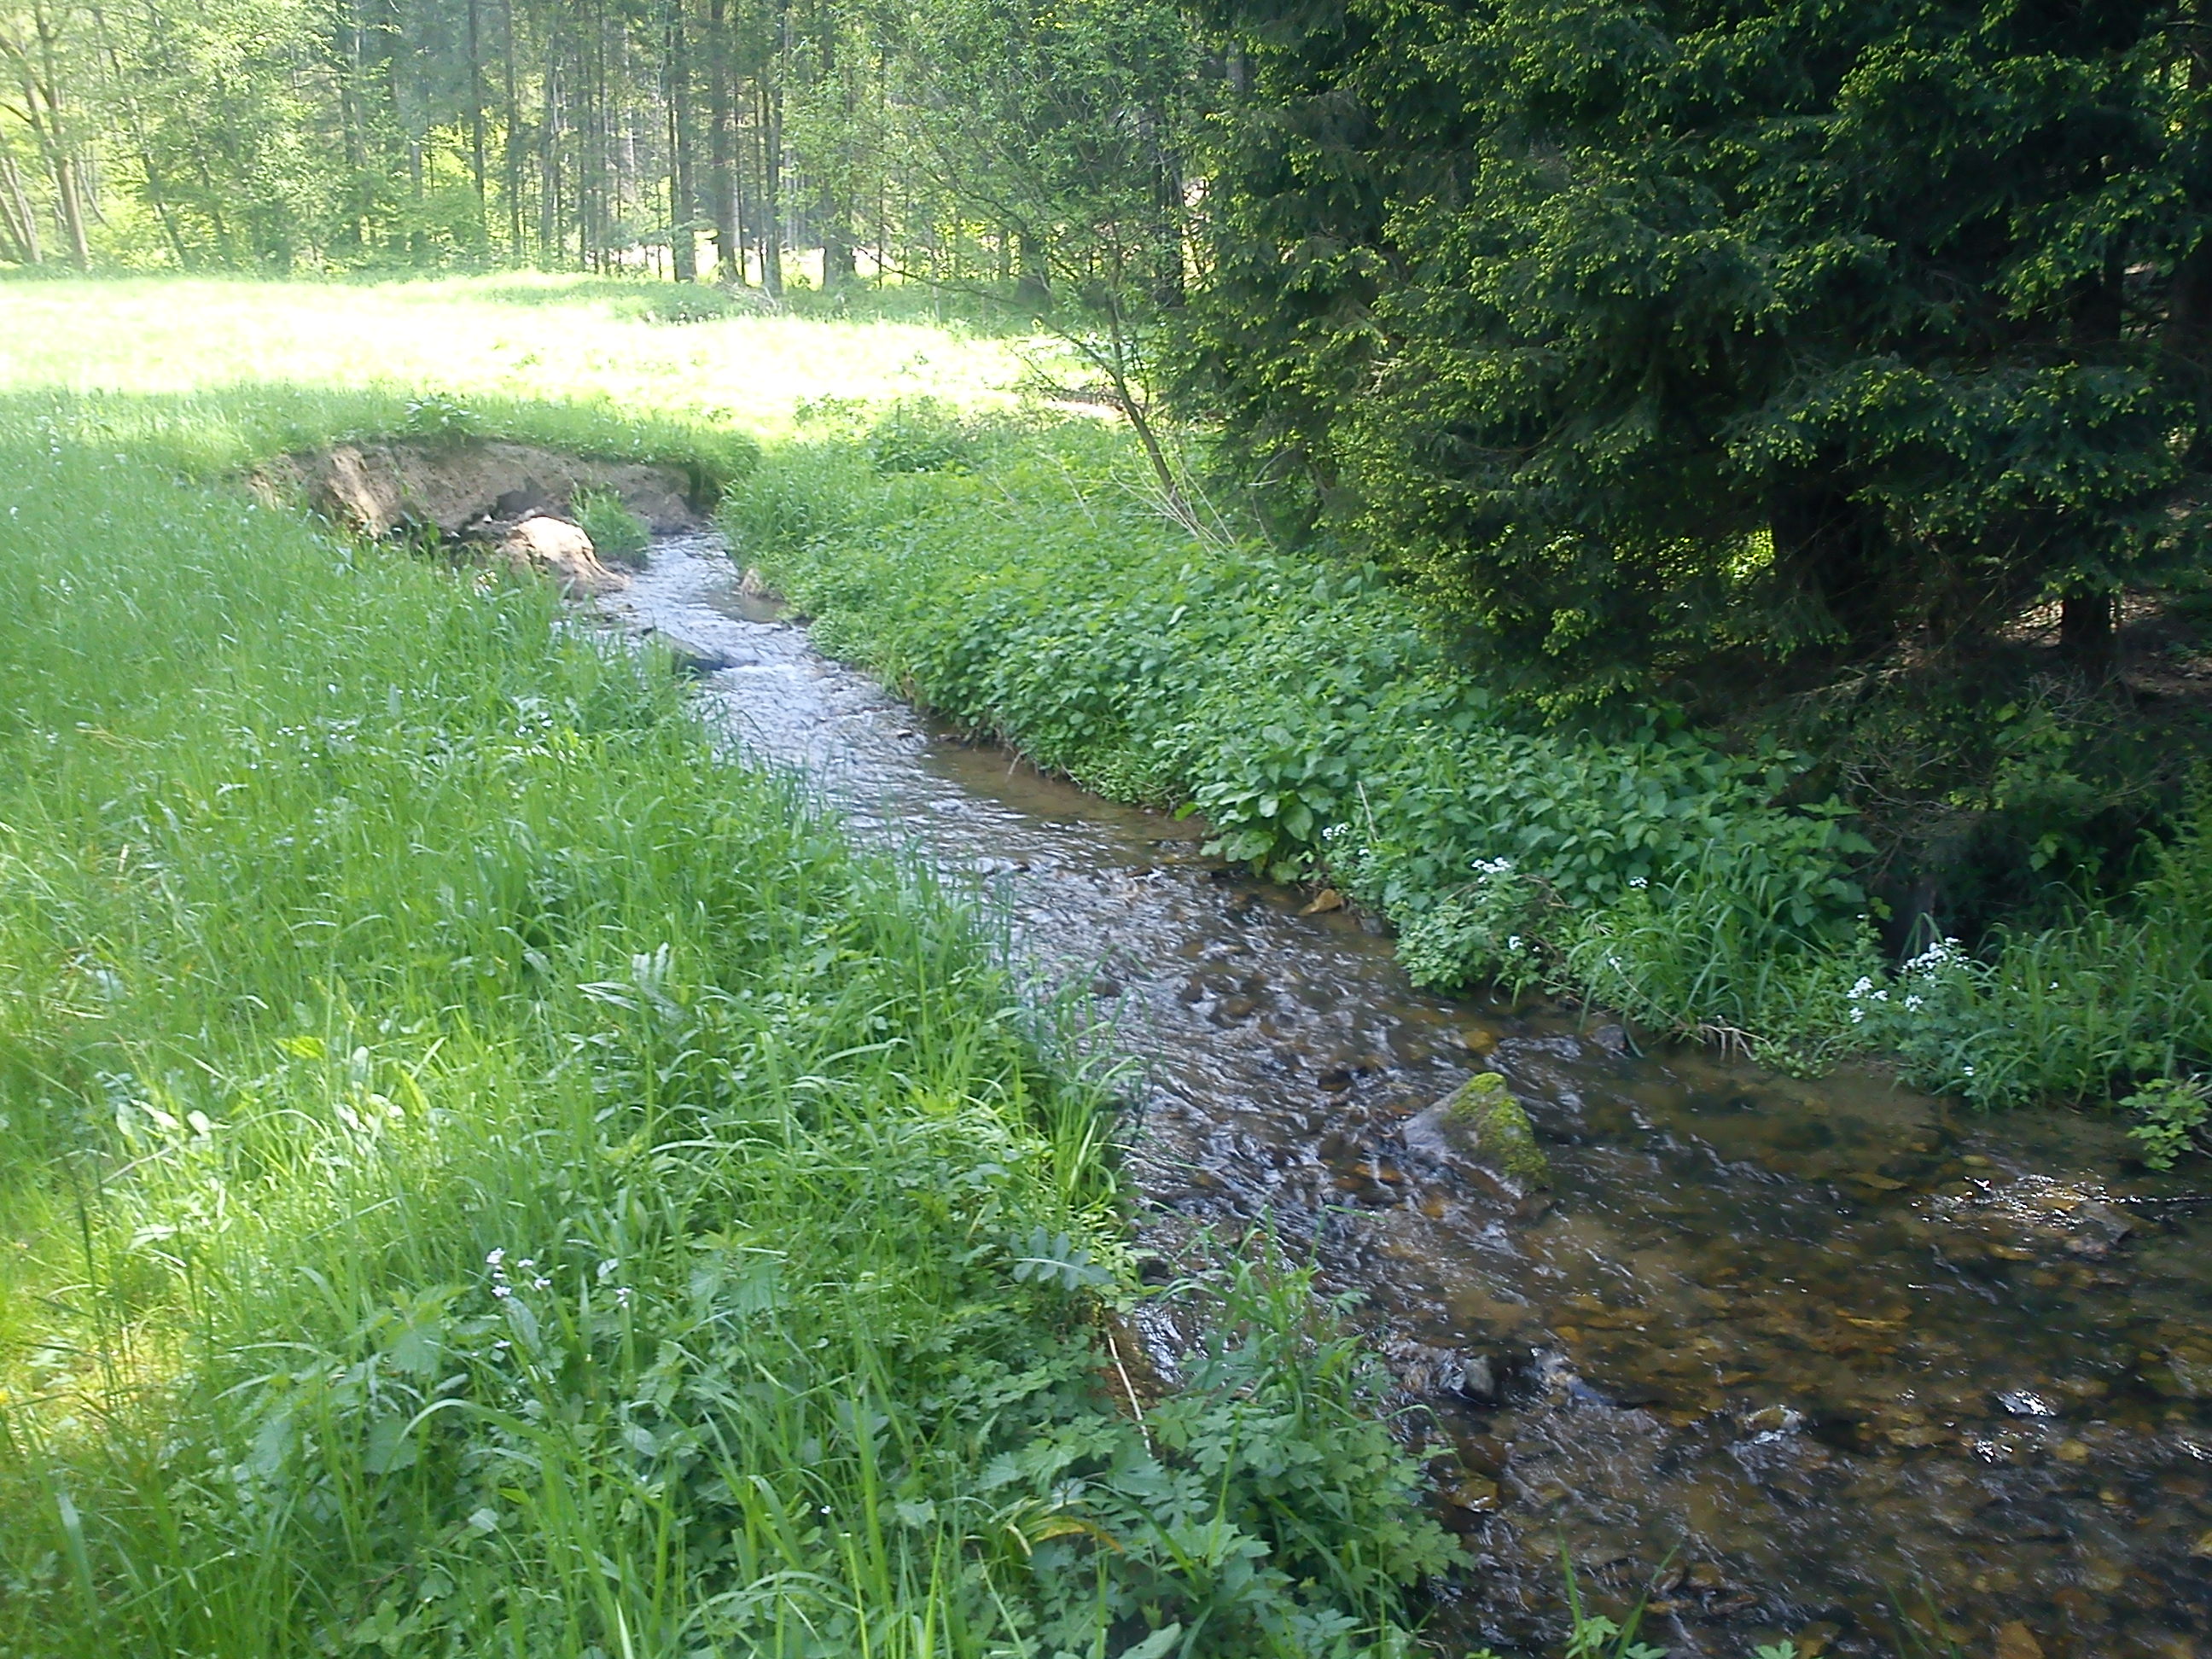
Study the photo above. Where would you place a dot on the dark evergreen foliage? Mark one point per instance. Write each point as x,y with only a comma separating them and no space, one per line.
1646,332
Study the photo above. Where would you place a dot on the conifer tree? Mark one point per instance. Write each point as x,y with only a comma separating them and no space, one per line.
1646,330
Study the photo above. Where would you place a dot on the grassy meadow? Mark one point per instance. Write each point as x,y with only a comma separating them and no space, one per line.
490,1174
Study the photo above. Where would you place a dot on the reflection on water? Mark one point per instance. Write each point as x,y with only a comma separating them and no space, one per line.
1815,1347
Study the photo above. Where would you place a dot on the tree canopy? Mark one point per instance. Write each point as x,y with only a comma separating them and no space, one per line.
1650,331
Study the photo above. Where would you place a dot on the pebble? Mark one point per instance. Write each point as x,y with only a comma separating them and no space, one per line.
1473,1493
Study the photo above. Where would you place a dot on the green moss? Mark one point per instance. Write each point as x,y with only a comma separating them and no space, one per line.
1484,1108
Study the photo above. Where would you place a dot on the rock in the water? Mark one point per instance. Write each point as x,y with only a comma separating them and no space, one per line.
555,547
1476,1492
1481,1122
1429,1372
2016,1641
696,662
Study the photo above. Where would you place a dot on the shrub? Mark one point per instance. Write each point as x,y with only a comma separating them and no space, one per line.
435,415
921,434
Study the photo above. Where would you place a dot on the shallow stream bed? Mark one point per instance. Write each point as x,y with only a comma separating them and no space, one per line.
1823,1348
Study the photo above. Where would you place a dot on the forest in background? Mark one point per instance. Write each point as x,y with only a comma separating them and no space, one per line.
692,139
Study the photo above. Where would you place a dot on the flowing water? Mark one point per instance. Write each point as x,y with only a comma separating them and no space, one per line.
1800,1353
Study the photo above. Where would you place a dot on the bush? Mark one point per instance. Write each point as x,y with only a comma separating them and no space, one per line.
1304,710
435,415
922,434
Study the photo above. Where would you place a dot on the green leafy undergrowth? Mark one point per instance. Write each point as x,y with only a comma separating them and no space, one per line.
1300,706
1025,583
488,1174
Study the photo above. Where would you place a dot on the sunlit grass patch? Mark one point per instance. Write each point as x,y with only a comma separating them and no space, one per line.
335,355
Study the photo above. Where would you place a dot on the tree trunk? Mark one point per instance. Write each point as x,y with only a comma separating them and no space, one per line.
476,118
43,109
771,142
838,270
513,145
1167,273
156,193
2088,631
550,219
722,151
15,207
1034,287
15,210
683,241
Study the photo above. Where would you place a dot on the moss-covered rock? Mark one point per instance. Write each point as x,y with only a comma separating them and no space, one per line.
1484,1112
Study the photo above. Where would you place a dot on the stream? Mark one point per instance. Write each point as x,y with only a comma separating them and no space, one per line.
1800,1354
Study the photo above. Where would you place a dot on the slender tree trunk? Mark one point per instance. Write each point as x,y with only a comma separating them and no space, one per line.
838,266
549,219
1034,288
156,192
476,120
1167,272
721,149
512,117
684,200
771,142
43,109
15,210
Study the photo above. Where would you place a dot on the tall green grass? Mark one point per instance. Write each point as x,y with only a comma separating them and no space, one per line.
489,1174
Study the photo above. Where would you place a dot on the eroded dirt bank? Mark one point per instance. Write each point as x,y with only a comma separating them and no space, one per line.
377,487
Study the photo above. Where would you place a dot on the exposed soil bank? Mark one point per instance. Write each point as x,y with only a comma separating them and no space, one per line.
379,486
1824,1343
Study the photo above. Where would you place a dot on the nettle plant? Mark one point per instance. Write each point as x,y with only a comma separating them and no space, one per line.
2177,1114
438,415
